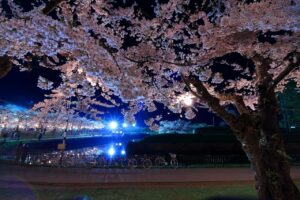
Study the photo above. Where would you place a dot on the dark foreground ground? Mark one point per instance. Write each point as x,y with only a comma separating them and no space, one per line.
132,191
48,175
30,183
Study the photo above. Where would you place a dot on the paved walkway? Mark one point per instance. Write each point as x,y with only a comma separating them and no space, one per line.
44,175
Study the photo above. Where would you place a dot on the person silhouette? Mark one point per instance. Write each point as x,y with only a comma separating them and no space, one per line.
19,152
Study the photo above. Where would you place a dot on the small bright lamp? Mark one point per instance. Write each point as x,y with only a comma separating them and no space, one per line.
188,101
124,125
113,125
123,152
111,151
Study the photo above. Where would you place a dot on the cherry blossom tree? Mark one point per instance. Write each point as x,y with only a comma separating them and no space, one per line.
219,53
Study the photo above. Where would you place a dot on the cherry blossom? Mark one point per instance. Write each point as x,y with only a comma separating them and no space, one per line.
182,47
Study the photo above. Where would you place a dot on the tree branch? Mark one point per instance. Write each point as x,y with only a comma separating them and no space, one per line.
212,102
110,51
149,59
261,67
51,6
293,65
5,66
5,62
237,100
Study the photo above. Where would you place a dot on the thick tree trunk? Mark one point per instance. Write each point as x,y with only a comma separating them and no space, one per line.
259,133
273,181
271,168
264,145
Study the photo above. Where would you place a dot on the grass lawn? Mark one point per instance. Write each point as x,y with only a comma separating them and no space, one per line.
132,193
189,191
176,193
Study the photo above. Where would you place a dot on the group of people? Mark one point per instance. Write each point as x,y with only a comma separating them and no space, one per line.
22,152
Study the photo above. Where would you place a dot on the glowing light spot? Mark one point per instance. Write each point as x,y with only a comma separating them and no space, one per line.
111,151
113,125
123,152
188,101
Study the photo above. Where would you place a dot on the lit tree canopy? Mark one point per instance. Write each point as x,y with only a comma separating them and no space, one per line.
140,56
219,52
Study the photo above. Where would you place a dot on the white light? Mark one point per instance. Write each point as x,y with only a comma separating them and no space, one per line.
124,125
134,124
111,151
188,101
120,144
113,125
123,152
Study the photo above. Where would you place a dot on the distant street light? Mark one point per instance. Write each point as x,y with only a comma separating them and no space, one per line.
188,101
124,125
111,151
123,152
113,125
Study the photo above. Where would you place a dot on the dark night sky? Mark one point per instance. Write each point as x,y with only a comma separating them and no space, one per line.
20,88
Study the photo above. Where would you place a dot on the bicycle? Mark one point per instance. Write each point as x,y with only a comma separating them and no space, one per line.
132,162
67,160
91,161
124,162
102,161
41,159
160,161
173,161
146,162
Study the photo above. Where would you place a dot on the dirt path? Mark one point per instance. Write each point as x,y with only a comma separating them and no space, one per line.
10,174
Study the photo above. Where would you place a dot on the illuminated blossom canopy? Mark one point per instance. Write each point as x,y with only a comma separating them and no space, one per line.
174,40
237,52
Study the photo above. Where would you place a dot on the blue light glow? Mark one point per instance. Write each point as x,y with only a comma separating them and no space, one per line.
113,125
124,125
13,108
123,152
111,151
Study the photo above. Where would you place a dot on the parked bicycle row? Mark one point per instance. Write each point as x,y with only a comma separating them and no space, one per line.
62,159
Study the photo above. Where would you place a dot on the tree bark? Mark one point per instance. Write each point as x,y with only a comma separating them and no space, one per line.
51,6
259,133
5,66
263,143
271,168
